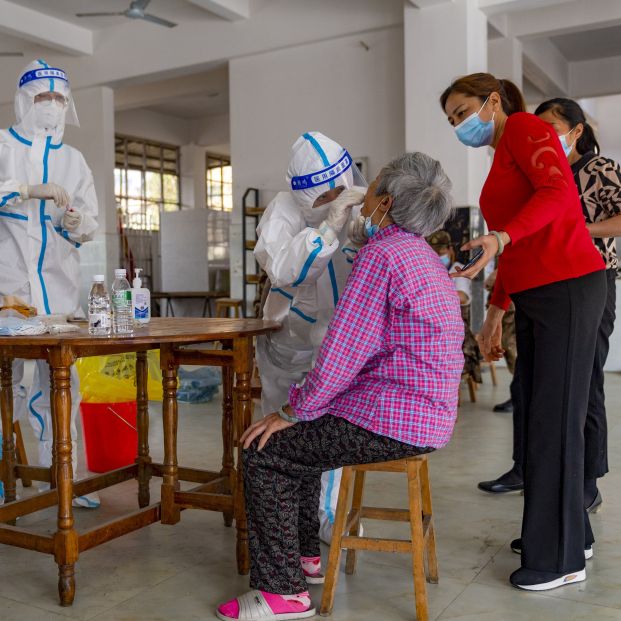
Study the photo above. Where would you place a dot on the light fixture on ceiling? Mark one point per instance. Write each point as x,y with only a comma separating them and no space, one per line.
135,11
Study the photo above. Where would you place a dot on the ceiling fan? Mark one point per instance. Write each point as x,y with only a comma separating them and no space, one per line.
135,11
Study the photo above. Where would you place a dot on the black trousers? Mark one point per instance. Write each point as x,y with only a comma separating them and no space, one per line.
595,429
556,330
282,483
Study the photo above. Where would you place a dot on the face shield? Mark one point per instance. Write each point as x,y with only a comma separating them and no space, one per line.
43,102
317,165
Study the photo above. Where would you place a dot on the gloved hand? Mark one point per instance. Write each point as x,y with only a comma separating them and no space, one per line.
340,207
72,220
48,191
357,233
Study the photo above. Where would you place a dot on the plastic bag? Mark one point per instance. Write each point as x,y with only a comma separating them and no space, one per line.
198,385
112,379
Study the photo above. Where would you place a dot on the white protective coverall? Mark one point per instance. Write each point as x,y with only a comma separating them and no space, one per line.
40,241
307,275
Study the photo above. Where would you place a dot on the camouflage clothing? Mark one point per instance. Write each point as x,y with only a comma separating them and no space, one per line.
472,355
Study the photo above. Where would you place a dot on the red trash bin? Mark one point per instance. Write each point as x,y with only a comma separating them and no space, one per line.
110,435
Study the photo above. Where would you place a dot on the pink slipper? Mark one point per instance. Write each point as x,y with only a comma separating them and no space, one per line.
263,606
311,566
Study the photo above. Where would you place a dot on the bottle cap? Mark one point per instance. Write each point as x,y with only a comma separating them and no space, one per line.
99,278
137,282
120,273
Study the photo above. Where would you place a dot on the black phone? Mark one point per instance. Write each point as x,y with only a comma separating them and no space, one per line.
477,255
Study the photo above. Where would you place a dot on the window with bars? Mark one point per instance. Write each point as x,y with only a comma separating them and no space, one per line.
146,179
219,183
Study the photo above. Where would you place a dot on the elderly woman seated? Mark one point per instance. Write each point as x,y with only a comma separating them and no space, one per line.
384,387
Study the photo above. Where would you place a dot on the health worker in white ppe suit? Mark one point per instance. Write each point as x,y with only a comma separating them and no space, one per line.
48,208
303,246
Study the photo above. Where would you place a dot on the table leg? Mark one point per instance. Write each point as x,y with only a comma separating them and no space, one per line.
144,459
55,435
8,443
66,537
228,462
170,483
243,350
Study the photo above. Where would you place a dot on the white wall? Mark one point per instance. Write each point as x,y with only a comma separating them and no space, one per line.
153,125
337,87
214,133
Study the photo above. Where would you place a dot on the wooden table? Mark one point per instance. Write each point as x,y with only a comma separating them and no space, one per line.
217,491
169,296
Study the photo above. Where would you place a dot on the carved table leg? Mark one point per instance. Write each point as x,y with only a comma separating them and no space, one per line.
144,459
170,483
7,465
243,349
228,462
66,537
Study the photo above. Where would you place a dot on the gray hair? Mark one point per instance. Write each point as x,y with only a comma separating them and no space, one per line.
421,193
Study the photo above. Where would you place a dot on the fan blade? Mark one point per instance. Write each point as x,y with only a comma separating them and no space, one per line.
158,20
11,54
99,14
141,5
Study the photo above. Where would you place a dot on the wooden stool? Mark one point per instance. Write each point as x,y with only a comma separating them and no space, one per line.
224,304
492,370
421,546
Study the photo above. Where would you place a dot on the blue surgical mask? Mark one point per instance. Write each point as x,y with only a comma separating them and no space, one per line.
567,147
446,260
473,132
371,228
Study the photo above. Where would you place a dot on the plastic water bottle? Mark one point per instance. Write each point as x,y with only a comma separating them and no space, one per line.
122,320
99,310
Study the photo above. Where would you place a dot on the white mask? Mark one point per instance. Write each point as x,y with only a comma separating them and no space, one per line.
49,114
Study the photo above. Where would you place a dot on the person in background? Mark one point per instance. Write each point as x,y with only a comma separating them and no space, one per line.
304,249
441,243
513,480
508,339
549,267
384,386
48,209
598,180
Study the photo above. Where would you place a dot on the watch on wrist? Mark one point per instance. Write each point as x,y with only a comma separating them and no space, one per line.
285,416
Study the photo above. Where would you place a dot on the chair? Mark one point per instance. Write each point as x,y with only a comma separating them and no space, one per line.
224,305
421,545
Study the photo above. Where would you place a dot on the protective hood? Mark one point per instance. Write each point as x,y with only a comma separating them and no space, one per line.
38,77
317,165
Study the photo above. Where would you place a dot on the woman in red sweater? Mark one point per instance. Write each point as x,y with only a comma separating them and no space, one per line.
550,269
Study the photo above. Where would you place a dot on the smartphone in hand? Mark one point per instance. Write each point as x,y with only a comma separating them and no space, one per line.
477,255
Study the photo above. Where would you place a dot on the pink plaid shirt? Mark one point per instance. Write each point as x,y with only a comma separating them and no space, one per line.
392,359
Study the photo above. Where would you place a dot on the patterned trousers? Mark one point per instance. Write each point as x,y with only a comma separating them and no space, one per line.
282,484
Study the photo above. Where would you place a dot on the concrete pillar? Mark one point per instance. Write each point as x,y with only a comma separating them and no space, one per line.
442,42
504,59
193,176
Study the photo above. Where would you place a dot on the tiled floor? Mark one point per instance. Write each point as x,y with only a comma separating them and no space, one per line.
182,572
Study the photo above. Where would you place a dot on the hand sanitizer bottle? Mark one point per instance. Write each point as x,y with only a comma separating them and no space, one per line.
141,300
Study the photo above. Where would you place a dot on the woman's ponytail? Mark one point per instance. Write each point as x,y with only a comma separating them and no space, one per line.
513,100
